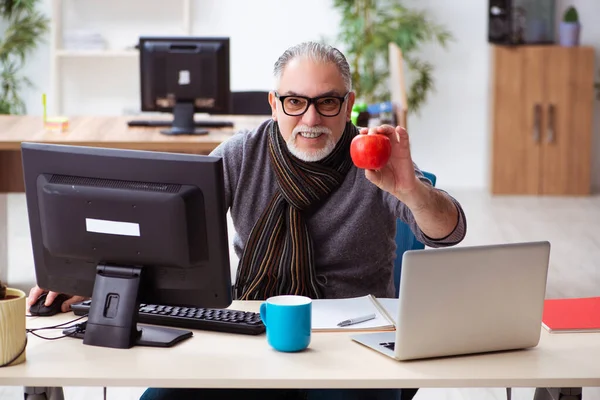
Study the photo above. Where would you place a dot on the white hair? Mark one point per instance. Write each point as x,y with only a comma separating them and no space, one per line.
318,52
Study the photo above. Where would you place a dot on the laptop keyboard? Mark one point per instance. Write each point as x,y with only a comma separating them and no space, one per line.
389,345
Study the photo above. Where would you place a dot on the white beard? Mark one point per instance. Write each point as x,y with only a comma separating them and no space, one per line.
311,155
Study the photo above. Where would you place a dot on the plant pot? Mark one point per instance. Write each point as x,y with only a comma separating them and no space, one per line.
569,33
13,339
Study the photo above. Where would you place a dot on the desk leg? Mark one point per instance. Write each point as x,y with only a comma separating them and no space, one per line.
3,237
11,181
558,394
43,393
570,394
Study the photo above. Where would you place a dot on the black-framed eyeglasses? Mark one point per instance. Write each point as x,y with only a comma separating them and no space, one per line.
327,106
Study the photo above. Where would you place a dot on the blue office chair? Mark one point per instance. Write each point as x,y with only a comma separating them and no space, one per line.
406,240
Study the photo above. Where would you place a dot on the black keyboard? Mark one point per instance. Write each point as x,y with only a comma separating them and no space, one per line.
166,123
208,319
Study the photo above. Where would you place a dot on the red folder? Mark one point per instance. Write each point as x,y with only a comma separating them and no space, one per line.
572,315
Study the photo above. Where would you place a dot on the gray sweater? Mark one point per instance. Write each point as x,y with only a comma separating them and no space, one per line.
353,232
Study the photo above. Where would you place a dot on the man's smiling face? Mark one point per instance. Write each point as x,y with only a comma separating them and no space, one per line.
311,136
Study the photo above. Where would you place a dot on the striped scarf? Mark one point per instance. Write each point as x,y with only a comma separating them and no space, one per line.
278,257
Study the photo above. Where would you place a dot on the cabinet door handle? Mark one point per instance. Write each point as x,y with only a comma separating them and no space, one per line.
537,110
550,127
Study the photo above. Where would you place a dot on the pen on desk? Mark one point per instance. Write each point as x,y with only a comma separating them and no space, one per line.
356,320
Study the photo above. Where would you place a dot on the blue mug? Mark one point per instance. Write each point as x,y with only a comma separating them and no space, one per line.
288,322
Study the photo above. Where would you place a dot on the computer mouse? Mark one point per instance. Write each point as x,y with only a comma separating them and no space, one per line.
39,309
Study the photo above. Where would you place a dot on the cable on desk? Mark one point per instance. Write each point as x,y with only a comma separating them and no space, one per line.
17,356
32,331
59,326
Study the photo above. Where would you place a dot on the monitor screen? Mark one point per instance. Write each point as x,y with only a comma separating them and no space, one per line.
185,75
126,227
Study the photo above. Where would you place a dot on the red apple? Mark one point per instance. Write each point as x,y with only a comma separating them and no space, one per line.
370,151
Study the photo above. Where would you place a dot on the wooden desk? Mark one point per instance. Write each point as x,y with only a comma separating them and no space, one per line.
333,360
97,132
102,132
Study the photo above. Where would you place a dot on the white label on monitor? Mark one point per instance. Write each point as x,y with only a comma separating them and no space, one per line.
184,77
112,227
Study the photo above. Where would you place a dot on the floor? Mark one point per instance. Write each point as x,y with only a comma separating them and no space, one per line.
570,224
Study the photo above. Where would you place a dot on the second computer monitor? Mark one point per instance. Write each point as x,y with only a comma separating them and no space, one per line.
185,75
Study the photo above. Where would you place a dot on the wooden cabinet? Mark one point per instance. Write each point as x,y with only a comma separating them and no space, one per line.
543,98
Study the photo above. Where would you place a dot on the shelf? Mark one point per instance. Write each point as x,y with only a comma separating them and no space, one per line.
61,57
97,53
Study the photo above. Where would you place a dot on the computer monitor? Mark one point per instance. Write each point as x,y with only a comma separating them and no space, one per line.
185,75
126,227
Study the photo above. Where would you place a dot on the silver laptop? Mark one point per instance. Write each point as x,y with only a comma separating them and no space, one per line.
466,300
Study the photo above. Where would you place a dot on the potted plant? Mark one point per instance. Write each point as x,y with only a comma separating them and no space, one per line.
12,326
570,28
366,29
24,28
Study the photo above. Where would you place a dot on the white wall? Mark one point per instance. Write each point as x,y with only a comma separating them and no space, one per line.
450,137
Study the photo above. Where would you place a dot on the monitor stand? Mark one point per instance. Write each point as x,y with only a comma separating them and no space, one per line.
112,320
183,122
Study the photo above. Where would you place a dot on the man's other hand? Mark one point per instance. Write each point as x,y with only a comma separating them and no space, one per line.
36,292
